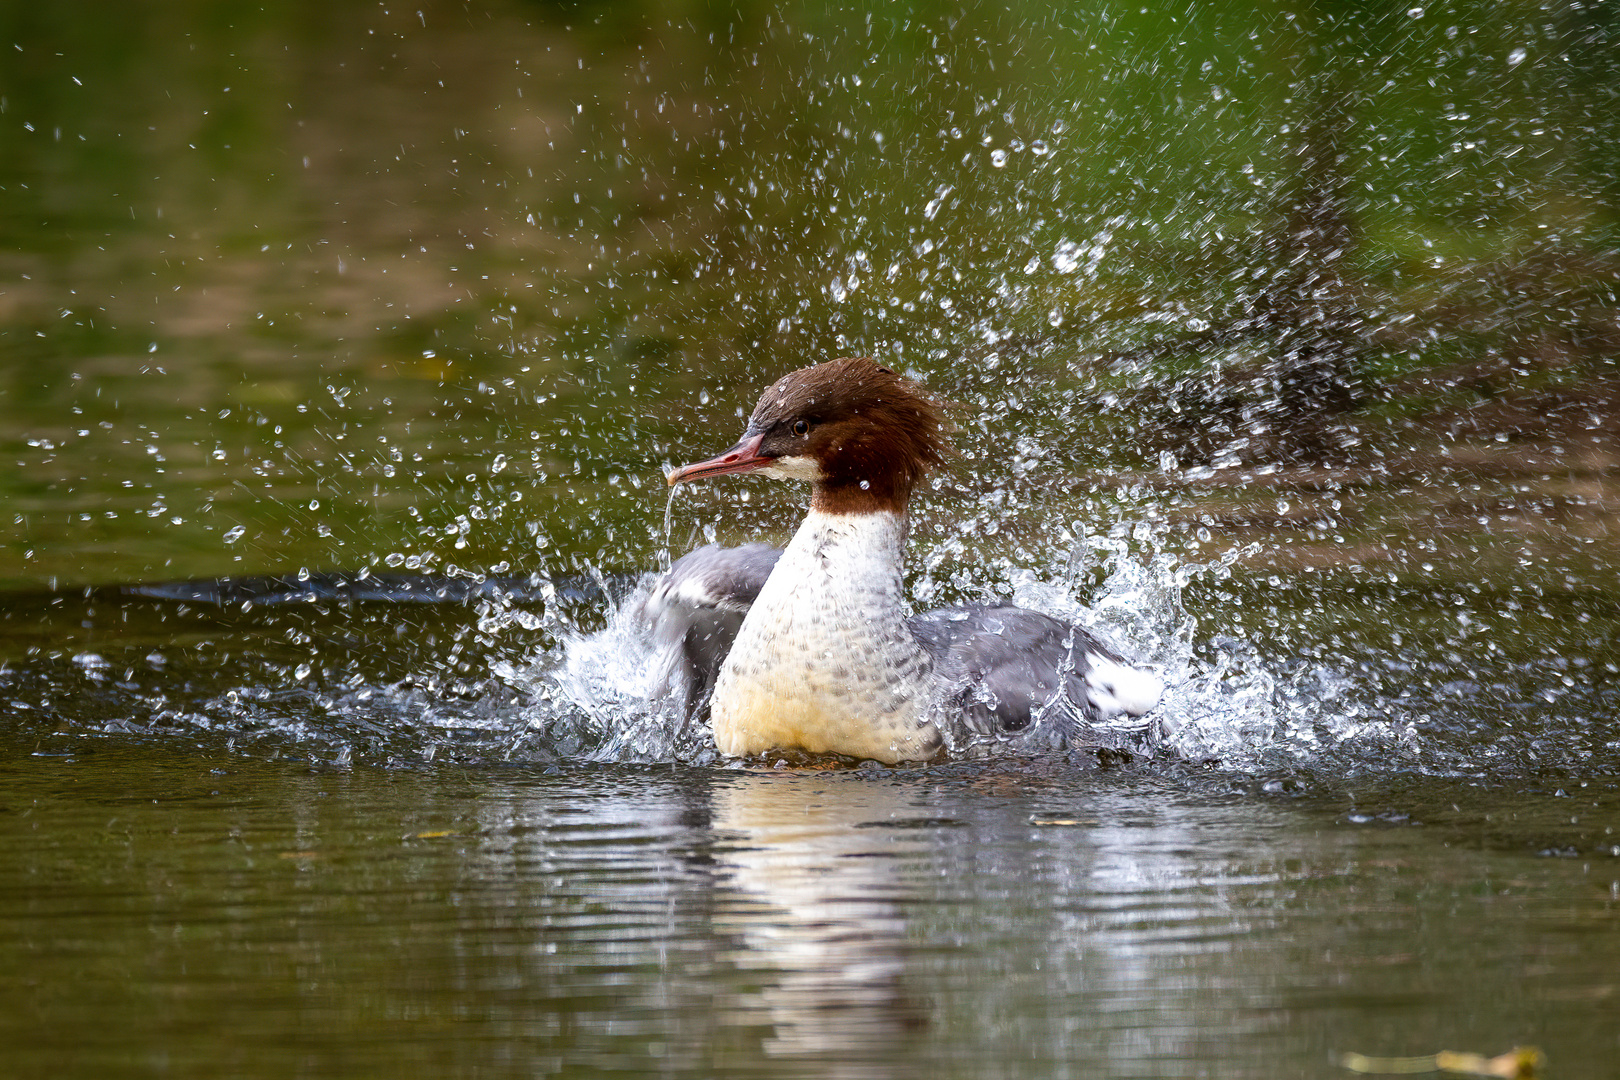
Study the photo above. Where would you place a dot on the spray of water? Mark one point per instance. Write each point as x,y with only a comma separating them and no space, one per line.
1223,701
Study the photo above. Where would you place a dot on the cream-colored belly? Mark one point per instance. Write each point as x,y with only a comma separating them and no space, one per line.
755,718
824,661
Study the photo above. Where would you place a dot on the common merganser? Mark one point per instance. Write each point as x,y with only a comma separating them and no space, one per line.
810,648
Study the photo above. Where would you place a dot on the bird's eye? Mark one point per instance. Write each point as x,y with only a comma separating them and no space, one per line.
801,427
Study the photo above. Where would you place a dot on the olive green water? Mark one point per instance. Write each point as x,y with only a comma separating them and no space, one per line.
440,287
177,914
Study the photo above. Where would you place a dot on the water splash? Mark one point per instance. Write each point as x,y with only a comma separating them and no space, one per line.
616,686
1222,700
603,692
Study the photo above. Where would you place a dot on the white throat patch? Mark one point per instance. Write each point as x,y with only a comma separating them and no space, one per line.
794,468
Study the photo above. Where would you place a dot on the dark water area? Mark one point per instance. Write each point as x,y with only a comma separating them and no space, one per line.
342,352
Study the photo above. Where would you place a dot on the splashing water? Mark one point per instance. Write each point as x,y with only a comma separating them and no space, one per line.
1222,701
615,685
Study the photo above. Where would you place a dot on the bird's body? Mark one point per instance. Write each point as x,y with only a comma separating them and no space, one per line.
812,650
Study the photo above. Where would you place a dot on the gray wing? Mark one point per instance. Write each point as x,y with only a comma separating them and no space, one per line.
695,609
1005,666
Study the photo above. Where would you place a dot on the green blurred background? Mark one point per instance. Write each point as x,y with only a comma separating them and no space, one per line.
419,285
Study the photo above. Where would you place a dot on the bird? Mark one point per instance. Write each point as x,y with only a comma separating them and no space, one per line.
810,649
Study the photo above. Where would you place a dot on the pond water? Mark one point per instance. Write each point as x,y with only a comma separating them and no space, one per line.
184,913
342,350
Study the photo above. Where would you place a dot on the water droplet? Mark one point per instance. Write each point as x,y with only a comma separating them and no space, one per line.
394,558
1414,13
498,464
235,534
836,287
866,485
1067,257
1039,148
998,158
1516,57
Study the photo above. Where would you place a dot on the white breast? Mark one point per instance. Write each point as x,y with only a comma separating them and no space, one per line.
824,660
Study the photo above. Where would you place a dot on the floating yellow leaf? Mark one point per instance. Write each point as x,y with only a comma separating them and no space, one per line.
1520,1063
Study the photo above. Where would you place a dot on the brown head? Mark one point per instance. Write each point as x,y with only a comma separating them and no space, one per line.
859,433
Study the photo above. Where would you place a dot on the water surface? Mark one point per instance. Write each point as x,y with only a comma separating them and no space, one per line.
268,920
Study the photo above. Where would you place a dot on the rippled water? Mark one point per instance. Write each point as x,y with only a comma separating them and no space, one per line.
207,912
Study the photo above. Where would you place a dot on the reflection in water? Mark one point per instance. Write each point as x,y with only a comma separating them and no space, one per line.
817,877
757,915
273,921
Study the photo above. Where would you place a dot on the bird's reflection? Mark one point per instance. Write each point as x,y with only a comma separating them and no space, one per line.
815,899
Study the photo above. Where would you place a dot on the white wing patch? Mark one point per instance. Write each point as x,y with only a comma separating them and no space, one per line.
1114,688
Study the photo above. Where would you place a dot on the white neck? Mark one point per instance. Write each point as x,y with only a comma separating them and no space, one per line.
825,661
